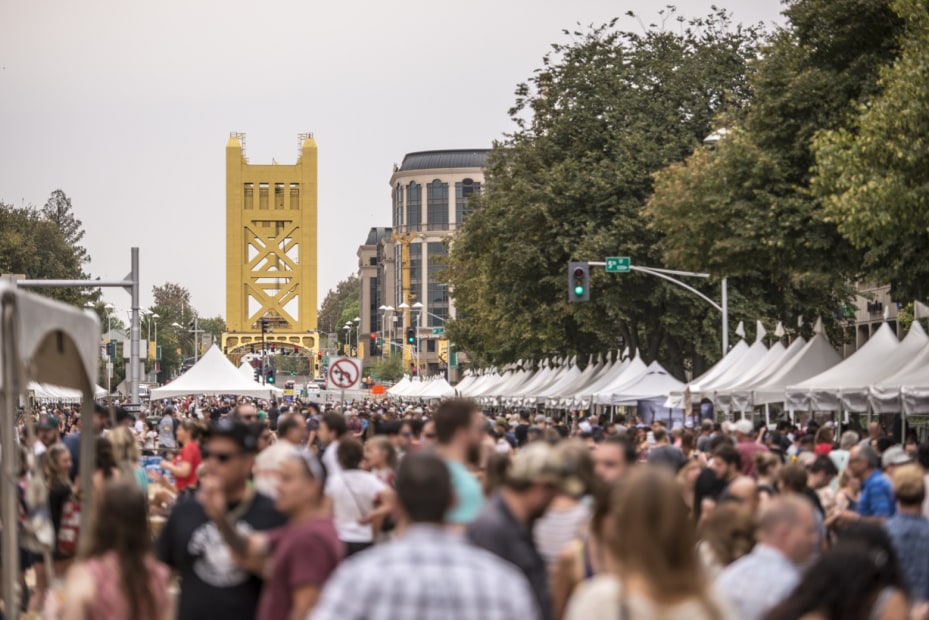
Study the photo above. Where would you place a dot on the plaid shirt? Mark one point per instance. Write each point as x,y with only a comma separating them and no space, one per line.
428,574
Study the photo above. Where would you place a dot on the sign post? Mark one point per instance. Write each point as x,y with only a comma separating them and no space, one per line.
344,374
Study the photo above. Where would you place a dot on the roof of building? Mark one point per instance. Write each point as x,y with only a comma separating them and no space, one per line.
376,235
455,158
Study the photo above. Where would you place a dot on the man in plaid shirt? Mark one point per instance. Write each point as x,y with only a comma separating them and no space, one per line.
429,572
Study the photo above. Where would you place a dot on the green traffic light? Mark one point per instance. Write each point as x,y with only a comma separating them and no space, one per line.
271,379
578,290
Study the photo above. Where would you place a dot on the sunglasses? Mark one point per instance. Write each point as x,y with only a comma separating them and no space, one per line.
219,457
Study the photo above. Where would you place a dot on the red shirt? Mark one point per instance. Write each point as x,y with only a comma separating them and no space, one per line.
822,449
189,454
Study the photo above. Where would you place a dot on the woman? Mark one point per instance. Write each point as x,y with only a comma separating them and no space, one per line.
381,459
687,481
849,582
185,464
651,544
105,467
727,534
568,514
823,442
846,498
128,456
118,576
767,465
354,495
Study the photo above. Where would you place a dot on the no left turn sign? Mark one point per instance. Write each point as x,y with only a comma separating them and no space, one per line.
344,373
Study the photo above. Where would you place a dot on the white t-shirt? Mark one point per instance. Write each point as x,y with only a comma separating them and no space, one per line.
331,460
353,493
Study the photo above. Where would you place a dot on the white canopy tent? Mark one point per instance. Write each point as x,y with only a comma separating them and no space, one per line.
48,342
215,375
824,391
907,390
437,388
399,387
656,382
676,398
631,375
815,357
44,392
775,359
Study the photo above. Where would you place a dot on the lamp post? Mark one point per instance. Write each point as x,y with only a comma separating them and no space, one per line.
389,310
418,310
357,322
347,328
108,308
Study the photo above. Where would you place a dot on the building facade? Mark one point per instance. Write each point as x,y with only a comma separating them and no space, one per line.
376,274
429,201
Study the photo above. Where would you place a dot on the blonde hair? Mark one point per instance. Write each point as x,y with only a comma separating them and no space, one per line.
729,530
51,471
380,442
125,447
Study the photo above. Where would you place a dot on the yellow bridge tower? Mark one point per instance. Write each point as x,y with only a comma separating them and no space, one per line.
271,251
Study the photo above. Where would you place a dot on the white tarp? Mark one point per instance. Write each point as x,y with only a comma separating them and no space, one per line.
436,389
676,398
631,375
399,387
655,383
823,392
214,374
773,360
907,390
44,392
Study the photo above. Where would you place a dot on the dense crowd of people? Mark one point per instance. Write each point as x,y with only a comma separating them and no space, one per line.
224,508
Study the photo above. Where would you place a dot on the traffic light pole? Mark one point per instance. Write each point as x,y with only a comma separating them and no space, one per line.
666,274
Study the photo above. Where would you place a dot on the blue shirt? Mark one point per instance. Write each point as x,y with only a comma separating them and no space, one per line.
468,494
910,536
877,496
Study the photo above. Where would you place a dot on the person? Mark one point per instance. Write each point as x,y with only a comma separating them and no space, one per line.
687,480
726,464
459,429
381,459
184,467
212,585
651,545
117,575
568,515
787,537
354,494
73,440
167,426
822,443
849,582
105,466
876,501
149,438
706,436
846,498
613,457
429,572
747,446
332,429
727,534
875,432
820,474
909,530
766,465
291,433
840,456
504,525
302,554
663,453
128,456
894,457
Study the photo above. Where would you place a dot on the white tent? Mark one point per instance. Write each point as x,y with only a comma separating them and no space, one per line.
44,392
399,387
656,382
214,374
676,398
823,392
907,390
776,357
436,389
246,370
630,376
816,357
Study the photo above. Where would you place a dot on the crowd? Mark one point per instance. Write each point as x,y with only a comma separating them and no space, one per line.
223,508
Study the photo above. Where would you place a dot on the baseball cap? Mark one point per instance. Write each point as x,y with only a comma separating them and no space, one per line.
895,455
236,430
540,463
744,427
47,421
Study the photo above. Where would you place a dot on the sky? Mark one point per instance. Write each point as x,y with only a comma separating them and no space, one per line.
127,107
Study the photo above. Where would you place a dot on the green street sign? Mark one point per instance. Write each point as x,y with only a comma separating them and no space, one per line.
617,264
438,331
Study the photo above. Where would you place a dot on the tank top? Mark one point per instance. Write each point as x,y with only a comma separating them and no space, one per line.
110,603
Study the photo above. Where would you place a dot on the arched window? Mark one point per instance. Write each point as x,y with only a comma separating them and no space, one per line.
437,205
463,191
414,206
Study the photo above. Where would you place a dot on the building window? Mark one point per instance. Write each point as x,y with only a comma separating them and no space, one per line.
294,195
398,206
463,191
278,195
437,206
374,315
248,196
263,196
436,301
414,207
430,346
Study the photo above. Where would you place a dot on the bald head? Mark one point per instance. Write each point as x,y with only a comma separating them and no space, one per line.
743,490
787,523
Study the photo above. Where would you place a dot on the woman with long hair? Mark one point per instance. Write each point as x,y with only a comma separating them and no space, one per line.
767,465
185,464
727,534
652,546
117,575
687,481
128,456
381,459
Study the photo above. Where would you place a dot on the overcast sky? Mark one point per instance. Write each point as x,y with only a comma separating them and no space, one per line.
127,107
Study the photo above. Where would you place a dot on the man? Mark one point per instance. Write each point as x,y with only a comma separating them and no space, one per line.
726,464
663,453
331,429
840,457
429,572
291,434
706,436
459,429
820,473
875,432
787,538
909,530
72,441
504,526
876,502
212,585
522,429
167,426
613,457
428,435
301,554
747,446
246,412
894,457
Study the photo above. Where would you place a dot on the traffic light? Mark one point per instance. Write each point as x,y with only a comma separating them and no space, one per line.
413,369
319,355
296,349
373,336
257,375
578,281
411,335
272,347
270,375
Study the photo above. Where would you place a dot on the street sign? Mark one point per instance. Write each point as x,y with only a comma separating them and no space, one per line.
443,351
438,331
344,373
617,264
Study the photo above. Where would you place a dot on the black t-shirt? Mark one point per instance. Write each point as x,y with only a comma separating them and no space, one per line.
522,434
212,585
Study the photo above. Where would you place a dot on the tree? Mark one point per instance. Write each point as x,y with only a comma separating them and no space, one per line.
340,305
58,211
605,112
172,304
215,326
35,247
745,209
872,175
388,368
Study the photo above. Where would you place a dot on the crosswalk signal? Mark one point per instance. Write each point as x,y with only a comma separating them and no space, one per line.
411,335
578,281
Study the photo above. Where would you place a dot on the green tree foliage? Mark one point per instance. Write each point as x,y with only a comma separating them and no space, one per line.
172,305
873,175
215,327
58,211
605,112
745,209
341,305
388,368
34,246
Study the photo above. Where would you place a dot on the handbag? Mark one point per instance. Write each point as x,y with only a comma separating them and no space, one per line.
70,530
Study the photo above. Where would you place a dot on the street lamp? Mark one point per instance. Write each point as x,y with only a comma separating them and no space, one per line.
357,321
108,307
